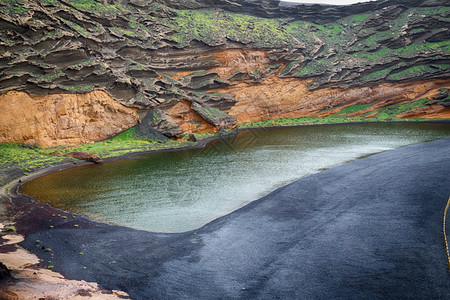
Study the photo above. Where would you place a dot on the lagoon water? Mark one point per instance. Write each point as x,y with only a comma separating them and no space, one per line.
182,190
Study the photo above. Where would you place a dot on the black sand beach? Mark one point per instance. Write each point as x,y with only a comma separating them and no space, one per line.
371,228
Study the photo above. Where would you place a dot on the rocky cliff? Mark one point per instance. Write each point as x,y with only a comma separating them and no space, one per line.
200,65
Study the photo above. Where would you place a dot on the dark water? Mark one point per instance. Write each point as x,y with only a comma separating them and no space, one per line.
180,191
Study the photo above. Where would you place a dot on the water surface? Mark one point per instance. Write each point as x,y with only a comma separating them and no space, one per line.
182,190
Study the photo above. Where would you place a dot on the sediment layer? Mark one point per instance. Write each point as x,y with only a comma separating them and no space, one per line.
59,119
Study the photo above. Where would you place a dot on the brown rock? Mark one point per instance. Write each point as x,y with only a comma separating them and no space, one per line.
192,138
59,119
94,158
442,95
215,116
4,272
188,120
162,122
428,112
291,98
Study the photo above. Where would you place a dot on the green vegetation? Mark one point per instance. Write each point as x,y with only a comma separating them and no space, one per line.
12,8
11,229
356,20
46,78
26,157
345,40
407,51
121,31
78,88
77,27
212,27
392,110
416,71
210,113
125,143
85,63
381,74
382,114
315,67
289,67
95,7
354,108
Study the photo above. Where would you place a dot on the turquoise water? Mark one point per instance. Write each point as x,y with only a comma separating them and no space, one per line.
182,190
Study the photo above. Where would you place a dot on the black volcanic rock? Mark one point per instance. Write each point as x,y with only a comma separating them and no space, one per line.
215,116
146,131
162,122
5,273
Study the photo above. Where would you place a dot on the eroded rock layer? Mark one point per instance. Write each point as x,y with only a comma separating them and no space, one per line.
290,98
59,119
197,64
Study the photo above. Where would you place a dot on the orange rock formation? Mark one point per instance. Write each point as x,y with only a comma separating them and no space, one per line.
290,98
59,119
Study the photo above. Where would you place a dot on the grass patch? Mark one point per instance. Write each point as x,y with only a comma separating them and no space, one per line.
383,114
354,108
11,229
417,71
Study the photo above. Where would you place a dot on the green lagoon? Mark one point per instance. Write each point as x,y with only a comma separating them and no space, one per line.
182,190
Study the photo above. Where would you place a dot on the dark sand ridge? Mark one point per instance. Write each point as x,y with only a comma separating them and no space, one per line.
371,228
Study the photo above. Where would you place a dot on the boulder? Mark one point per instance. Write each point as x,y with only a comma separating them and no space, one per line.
215,116
156,121
5,273
192,138
94,158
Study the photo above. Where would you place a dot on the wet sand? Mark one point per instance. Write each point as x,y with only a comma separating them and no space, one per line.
371,228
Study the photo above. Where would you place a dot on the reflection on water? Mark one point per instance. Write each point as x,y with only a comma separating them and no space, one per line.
179,191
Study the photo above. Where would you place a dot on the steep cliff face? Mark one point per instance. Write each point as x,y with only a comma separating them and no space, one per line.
201,63
59,119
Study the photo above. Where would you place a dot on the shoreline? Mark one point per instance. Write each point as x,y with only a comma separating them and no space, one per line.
141,266
10,190
200,144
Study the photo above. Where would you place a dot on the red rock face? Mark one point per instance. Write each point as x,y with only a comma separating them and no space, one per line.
290,98
188,120
432,112
59,119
